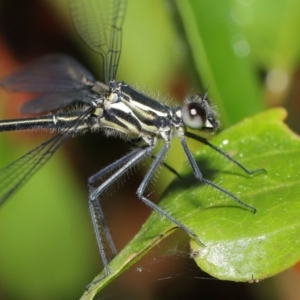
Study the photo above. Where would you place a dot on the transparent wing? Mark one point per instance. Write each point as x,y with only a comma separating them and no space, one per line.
54,101
51,73
13,176
17,173
99,23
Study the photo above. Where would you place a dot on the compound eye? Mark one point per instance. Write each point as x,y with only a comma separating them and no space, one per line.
193,115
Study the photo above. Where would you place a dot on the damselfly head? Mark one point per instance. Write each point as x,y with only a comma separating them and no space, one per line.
198,113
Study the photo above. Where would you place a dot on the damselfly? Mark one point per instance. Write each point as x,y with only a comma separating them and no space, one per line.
83,105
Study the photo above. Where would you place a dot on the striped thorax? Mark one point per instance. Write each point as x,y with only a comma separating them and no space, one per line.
126,111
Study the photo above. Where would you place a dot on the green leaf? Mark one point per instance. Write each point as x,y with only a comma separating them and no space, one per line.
272,31
239,245
214,39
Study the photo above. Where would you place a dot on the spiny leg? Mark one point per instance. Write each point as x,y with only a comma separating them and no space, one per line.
144,184
97,208
220,151
97,215
199,176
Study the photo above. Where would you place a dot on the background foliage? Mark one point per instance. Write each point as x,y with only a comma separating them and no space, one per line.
245,52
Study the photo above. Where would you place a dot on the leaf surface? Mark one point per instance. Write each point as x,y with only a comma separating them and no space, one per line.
239,245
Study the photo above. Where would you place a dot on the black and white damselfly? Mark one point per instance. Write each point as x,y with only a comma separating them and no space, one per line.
83,105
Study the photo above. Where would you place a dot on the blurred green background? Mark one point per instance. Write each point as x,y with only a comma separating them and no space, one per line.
245,52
